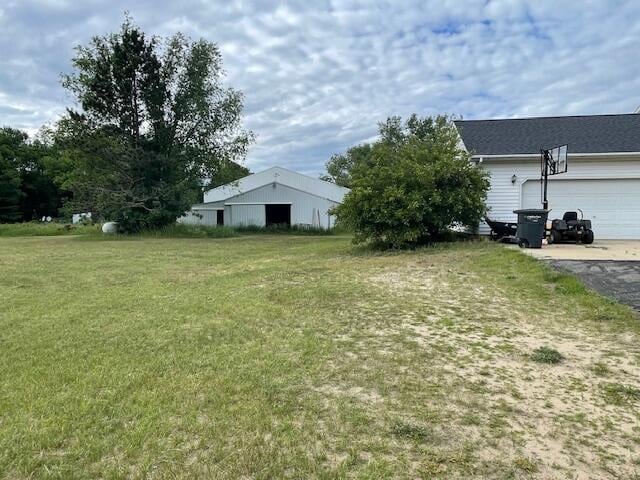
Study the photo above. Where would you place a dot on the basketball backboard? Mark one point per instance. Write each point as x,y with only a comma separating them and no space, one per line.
552,162
555,159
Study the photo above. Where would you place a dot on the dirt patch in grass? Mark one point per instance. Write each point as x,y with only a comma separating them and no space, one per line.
543,419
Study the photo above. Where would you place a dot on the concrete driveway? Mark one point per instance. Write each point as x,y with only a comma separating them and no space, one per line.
615,250
611,267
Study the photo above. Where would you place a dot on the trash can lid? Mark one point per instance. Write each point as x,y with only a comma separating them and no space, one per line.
532,211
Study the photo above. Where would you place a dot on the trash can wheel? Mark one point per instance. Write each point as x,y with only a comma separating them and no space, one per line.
523,243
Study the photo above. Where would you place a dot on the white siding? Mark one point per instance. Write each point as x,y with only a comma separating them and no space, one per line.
202,214
244,200
504,197
303,205
245,215
199,217
280,175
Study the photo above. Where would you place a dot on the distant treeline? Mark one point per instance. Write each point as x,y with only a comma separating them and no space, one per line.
28,190
33,172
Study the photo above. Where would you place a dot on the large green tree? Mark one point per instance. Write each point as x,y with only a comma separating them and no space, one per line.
155,123
10,193
26,162
11,148
228,172
416,185
343,168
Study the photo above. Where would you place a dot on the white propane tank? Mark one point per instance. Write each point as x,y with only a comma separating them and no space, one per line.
110,228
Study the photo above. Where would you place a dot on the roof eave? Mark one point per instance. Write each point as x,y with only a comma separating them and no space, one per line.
571,155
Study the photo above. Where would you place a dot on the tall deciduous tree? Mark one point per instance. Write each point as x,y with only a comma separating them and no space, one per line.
155,122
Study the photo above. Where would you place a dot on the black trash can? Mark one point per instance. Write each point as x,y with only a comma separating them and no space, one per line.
531,227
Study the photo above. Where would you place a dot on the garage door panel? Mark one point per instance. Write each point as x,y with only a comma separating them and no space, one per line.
613,205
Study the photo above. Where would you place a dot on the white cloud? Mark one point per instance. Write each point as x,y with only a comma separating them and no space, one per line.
318,76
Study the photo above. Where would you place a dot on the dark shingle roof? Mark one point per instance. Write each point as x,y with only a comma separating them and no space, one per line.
583,134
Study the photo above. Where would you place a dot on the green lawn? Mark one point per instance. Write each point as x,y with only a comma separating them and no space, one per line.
303,357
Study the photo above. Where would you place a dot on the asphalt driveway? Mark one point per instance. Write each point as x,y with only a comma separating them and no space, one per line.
611,267
615,279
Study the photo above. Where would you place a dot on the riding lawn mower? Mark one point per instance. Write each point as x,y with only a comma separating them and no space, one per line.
571,229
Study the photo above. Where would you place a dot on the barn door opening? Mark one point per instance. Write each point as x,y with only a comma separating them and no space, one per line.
220,217
278,214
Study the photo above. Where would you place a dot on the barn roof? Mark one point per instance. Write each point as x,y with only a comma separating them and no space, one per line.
280,175
583,134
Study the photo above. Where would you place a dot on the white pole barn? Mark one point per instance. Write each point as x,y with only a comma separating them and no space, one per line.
276,196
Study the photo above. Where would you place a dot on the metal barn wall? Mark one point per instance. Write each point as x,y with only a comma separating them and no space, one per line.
203,214
284,177
245,215
504,197
303,205
199,217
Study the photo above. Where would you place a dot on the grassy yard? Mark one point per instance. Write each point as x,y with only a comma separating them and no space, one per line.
302,357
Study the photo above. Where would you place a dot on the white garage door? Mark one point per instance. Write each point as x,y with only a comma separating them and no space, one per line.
612,205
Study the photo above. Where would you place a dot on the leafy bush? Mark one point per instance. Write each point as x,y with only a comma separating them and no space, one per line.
546,355
417,185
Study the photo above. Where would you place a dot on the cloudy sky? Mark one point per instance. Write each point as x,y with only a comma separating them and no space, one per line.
318,75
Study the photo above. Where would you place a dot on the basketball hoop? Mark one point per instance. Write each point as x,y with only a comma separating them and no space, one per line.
552,162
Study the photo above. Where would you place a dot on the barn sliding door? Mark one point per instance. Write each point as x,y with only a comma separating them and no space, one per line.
278,214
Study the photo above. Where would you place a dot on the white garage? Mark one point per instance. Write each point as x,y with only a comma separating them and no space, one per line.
614,210
603,177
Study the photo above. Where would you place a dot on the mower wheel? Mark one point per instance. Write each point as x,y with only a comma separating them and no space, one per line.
587,237
554,237
523,243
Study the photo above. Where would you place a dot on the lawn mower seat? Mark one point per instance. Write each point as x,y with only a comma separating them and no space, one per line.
571,218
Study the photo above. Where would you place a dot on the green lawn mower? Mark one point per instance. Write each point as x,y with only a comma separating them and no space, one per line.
570,229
